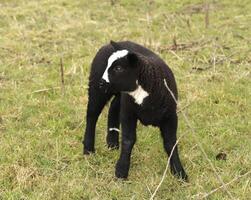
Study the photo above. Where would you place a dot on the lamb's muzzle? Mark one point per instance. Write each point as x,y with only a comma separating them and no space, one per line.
103,85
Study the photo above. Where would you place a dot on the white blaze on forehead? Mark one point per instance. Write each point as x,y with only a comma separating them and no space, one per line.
115,56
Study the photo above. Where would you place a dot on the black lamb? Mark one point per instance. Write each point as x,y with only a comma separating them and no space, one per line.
138,80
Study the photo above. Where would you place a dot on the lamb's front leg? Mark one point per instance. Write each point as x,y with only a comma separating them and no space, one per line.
128,124
113,123
97,101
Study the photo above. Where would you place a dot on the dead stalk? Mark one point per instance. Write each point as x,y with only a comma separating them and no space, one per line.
62,76
201,148
219,188
206,14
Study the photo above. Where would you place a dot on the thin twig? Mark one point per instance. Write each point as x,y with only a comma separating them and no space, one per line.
166,169
175,42
183,46
188,23
175,54
80,124
216,189
242,76
207,15
56,88
62,76
45,90
149,190
184,107
201,148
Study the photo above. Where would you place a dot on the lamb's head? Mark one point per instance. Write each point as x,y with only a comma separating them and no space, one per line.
122,71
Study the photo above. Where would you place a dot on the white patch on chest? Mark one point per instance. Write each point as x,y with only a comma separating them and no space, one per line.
139,94
115,56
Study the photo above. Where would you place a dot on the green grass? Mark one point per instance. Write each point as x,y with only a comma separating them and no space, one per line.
41,131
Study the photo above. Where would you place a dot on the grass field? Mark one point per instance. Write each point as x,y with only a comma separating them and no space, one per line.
41,128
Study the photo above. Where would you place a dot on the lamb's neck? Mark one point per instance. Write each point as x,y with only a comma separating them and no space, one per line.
146,84
148,78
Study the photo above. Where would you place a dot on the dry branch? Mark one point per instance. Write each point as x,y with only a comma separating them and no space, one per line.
201,148
45,90
182,46
206,15
219,188
62,76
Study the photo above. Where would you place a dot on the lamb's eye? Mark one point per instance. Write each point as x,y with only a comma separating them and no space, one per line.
118,69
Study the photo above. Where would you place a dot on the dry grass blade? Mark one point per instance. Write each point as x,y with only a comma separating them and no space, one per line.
207,15
201,148
183,46
166,169
222,186
45,90
62,76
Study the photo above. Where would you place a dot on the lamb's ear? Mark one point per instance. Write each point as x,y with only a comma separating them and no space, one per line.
132,58
115,45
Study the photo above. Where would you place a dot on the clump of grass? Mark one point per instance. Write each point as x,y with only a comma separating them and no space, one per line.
41,129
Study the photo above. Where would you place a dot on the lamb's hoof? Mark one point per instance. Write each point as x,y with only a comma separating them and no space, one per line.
112,140
185,178
121,170
113,145
88,151
182,176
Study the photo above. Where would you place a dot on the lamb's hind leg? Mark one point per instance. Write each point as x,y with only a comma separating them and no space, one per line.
113,123
97,101
168,131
